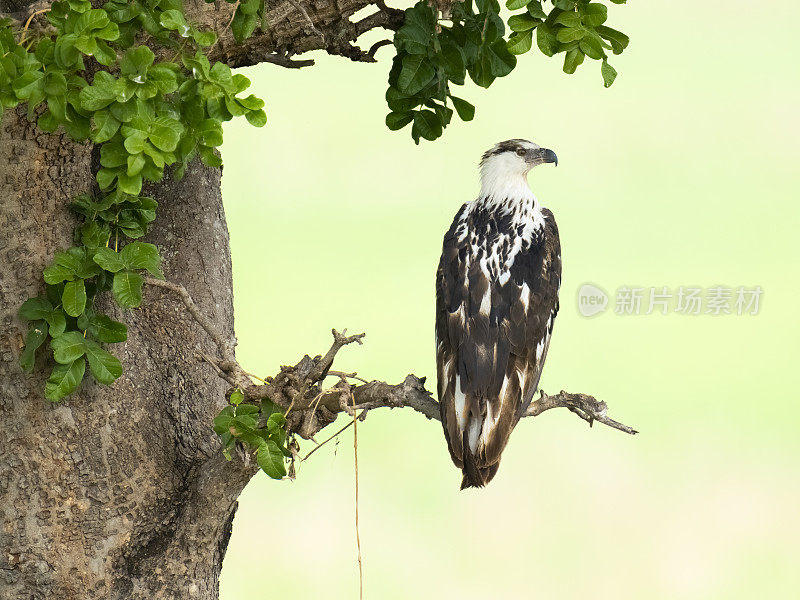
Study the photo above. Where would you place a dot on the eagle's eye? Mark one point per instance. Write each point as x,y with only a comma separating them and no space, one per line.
520,151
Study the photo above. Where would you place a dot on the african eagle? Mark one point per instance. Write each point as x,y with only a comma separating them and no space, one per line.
496,298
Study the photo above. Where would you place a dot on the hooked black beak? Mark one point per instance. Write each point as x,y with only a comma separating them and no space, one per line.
548,156
541,156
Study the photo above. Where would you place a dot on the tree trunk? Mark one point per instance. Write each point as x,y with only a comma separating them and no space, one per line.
121,491
112,493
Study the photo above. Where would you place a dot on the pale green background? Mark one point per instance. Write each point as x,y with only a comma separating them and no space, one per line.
685,172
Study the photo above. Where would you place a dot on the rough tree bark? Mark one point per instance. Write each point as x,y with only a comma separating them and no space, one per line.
121,491
112,493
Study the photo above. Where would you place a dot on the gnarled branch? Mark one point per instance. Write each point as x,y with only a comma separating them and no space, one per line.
298,389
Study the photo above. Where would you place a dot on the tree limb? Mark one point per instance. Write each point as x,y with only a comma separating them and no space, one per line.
310,407
292,27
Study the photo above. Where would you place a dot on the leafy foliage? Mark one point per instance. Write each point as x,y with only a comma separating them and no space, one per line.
240,421
432,56
146,114
101,77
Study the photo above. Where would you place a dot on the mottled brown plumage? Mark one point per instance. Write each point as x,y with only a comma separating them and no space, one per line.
496,299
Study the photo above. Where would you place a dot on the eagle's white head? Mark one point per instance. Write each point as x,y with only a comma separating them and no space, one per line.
505,167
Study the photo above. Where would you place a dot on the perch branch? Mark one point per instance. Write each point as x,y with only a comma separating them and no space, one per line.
586,407
299,387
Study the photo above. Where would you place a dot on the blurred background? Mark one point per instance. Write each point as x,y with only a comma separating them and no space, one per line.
684,173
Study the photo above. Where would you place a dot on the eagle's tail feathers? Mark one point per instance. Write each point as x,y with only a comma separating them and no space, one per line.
475,475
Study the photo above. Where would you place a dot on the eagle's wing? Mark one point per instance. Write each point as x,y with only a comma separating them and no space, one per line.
492,335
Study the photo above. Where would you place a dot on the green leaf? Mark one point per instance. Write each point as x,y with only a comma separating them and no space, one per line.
94,234
57,322
105,126
590,46
209,157
594,14
243,25
64,380
107,330
104,54
427,124
124,111
173,20
35,308
270,459
222,422
105,178
236,397
127,289
47,121
164,77
465,110
136,61
210,132
522,22
618,40
572,60
105,367
569,19
27,84
141,255
453,61
416,73
252,102
165,133
413,38
68,347
109,260
37,334
546,39
501,61
204,38
65,266
566,35
135,164
100,94
54,84
257,118
520,43
113,155
249,7
609,74
399,102
130,184
397,120
135,140
275,425
74,297
516,4
535,10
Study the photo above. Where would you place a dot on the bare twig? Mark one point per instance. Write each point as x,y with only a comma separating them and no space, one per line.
586,407
320,445
374,48
224,346
286,61
342,374
229,365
